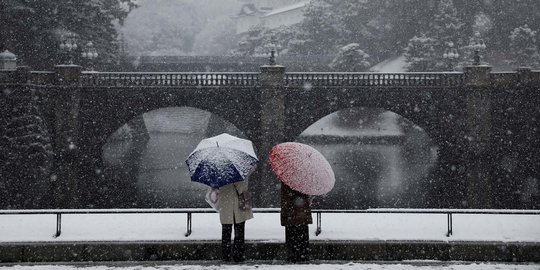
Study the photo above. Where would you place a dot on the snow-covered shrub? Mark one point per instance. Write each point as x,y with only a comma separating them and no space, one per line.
523,47
351,58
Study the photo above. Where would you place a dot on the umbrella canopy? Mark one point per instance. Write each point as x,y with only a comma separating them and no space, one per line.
302,168
221,160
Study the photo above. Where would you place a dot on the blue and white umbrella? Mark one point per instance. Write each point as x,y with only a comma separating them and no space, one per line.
221,160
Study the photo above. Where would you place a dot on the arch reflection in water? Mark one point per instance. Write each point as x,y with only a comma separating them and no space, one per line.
148,157
380,159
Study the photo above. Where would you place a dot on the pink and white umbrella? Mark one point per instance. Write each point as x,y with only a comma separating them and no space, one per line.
302,168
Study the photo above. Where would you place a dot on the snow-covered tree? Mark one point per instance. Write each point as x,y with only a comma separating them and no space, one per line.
319,29
523,49
420,54
351,58
446,30
25,152
253,42
33,30
446,25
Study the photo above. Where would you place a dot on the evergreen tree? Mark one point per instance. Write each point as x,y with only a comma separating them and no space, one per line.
33,29
319,29
523,47
25,152
446,30
420,54
506,16
252,43
351,58
369,23
384,28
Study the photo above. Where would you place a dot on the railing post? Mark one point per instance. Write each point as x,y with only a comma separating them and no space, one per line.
449,221
477,76
188,233
58,225
319,224
524,75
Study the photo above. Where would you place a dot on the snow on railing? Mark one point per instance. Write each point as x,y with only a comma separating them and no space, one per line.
190,211
290,79
423,79
168,79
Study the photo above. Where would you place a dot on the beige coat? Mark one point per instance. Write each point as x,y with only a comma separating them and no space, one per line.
229,211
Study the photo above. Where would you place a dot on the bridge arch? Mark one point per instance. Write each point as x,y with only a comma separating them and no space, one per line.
436,111
380,159
143,160
120,105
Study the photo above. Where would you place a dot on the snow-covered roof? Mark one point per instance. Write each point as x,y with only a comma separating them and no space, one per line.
286,8
248,10
393,64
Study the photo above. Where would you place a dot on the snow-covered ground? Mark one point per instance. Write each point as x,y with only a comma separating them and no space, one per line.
266,227
324,266
394,64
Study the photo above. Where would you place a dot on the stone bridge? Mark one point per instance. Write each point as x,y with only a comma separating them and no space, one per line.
480,120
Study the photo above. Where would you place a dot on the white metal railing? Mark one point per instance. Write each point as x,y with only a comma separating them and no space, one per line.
318,212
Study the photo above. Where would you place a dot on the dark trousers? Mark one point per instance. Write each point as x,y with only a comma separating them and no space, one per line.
238,248
297,242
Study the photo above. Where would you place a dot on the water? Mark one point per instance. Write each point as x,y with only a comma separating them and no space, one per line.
379,173
376,176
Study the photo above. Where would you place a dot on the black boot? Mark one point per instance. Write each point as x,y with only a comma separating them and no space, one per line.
226,252
239,248
239,251
226,247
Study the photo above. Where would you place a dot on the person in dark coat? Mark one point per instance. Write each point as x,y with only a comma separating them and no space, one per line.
295,216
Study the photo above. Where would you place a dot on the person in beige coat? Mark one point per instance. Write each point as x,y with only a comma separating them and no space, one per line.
230,214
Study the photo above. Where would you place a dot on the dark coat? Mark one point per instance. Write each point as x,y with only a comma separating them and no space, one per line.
295,207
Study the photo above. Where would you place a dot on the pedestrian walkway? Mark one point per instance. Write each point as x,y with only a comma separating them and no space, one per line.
344,236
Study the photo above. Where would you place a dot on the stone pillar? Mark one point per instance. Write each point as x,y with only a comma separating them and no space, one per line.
66,132
272,125
525,75
478,153
22,74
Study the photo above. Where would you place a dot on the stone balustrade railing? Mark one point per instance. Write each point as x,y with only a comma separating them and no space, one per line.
167,79
290,79
374,79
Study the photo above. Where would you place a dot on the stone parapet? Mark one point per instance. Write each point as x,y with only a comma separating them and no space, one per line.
273,252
